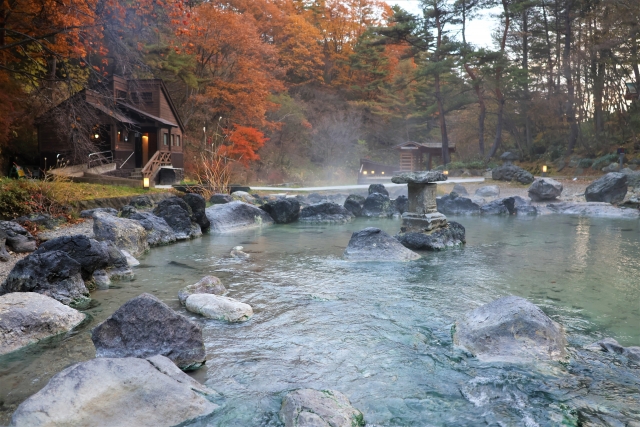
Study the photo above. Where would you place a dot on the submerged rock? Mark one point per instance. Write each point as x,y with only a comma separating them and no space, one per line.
54,274
452,204
511,172
373,244
545,189
198,205
488,191
325,213
610,188
118,266
354,204
125,233
89,253
377,205
236,216
145,326
446,237
283,211
237,252
510,329
158,231
206,285
28,317
177,213
18,238
116,392
319,408
219,307
597,209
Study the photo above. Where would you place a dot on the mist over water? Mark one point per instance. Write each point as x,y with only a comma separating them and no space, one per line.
381,332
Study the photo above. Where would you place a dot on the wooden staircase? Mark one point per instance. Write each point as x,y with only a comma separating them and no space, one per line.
159,159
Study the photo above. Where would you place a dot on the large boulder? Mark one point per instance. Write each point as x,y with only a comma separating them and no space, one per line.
461,190
545,189
509,156
117,392
511,172
378,188
236,216
354,204
610,188
198,204
219,307
508,206
141,202
158,231
510,329
89,213
373,244
283,211
118,267
488,191
243,196
177,213
126,233
53,273
633,177
4,255
452,204
446,237
28,317
145,326
206,285
18,239
319,408
42,220
377,205
325,213
596,209
89,253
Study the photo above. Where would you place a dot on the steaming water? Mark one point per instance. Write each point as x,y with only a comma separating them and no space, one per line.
381,332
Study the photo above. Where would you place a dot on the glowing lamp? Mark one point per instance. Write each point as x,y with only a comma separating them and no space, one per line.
145,182
373,172
544,168
364,172
445,172
382,172
96,136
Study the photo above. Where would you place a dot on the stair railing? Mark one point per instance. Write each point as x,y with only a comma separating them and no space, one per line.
159,159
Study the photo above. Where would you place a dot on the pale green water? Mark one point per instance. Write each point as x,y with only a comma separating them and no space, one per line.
380,332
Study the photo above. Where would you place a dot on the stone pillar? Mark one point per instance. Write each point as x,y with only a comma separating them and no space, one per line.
423,215
422,198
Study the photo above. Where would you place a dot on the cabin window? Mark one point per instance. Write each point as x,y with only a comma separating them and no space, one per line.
147,97
177,140
120,94
173,140
165,139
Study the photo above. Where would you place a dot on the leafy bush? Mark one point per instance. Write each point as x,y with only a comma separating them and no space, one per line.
15,198
585,163
603,161
475,164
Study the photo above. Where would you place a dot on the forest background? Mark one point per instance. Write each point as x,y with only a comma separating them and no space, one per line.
299,91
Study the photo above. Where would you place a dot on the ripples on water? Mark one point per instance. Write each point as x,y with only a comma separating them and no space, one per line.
381,332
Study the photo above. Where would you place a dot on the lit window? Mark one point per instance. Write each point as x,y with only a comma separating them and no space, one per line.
165,139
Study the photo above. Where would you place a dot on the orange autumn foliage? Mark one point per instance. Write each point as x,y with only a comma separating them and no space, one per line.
242,144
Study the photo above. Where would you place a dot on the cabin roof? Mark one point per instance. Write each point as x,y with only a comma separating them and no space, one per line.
150,116
424,146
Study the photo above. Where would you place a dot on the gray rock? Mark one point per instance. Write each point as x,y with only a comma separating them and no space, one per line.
610,345
131,260
115,393
145,326
236,216
54,274
461,191
101,279
545,189
597,209
632,353
354,204
198,205
495,207
610,188
283,211
325,213
452,204
206,285
507,206
237,252
158,231
418,177
633,178
126,233
450,236
4,255
18,239
218,307
177,213
141,202
28,317
45,221
613,167
509,156
89,253
488,191
377,205
510,172
510,329
401,204
378,188
319,408
526,210
243,196
88,213
118,267
373,244
220,199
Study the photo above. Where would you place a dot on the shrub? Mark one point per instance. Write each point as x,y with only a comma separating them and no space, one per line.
603,161
585,163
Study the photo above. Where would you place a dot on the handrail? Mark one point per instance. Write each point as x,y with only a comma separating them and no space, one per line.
101,157
125,162
159,158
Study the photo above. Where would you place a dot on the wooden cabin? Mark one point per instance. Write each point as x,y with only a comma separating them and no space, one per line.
412,154
137,128
631,92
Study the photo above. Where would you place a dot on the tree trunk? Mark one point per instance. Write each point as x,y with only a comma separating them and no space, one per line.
498,81
441,111
571,117
481,103
525,68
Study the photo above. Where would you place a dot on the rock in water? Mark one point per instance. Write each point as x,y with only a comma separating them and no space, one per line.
198,205
545,189
354,204
446,237
610,188
373,244
402,204
54,274
377,205
118,268
452,204
325,213
125,233
510,329
488,191
236,216
236,252
28,317
18,239
206,285
89,253
319,408
219,307
597,209
145,326
510,172
283,211
460,190
115,393
378,188
158,231
177,213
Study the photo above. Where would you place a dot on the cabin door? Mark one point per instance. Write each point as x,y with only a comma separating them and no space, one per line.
137,147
